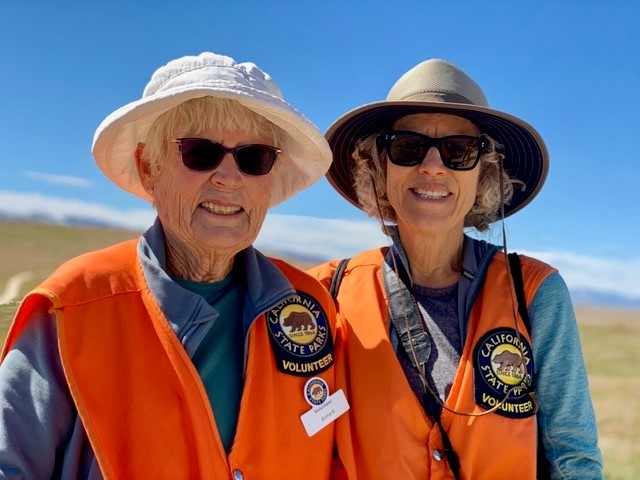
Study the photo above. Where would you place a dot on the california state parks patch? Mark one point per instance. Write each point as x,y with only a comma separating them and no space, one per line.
503,367
300,336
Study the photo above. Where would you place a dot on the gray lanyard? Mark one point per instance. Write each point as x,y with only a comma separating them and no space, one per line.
404,310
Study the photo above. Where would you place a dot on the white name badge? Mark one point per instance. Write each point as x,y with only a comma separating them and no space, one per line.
322,415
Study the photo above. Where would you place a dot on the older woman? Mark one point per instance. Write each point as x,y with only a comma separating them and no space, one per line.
445,378
185,354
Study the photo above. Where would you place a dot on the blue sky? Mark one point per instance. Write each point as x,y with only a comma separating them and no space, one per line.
569,68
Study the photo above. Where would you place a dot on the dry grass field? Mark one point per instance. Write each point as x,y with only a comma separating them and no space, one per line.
610,338
611,344
42,248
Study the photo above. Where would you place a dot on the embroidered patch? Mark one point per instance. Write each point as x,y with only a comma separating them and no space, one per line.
316,391
503,364
300,336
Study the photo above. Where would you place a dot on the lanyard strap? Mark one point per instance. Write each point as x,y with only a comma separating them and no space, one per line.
404,313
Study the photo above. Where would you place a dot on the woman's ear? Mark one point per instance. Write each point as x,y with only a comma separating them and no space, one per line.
144,169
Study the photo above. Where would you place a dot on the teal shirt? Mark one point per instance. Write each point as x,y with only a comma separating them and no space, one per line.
219,357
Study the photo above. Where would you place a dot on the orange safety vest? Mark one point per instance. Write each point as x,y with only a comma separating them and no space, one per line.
388,434
140,398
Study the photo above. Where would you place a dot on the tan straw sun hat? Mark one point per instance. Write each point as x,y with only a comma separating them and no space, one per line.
306,154
438,86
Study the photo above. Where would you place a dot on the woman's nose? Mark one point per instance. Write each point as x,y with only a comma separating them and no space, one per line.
227,172
432,163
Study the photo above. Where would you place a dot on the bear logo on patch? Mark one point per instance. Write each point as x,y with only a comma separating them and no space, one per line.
298,325
511,364
299,321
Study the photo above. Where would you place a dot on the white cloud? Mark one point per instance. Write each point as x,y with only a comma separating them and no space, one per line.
321,238
65,180
36,205
605,275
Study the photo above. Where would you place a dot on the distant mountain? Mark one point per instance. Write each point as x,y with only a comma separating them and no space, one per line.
300,260
594,298
62,219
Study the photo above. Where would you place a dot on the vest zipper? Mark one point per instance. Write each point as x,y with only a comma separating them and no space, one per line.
245,358
188,333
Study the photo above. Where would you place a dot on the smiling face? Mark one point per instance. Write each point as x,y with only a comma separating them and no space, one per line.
429,198
220,211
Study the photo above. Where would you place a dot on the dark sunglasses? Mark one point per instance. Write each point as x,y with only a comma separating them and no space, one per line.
202,155
407,149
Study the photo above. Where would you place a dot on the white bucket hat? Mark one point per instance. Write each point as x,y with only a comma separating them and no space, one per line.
438,86
305,153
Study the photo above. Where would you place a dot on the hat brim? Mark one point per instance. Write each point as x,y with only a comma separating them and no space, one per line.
305,157
525,154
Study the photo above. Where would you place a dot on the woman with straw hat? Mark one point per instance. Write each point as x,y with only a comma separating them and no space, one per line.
177,355
460,360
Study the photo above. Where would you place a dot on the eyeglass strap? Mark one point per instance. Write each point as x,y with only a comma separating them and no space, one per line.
543,471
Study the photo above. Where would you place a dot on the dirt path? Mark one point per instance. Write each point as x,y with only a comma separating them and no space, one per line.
12,290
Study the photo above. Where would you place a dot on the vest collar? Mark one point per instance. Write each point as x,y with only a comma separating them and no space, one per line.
477,257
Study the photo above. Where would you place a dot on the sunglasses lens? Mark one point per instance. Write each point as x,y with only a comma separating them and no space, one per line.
200,154
406,150
459,153
203,155
256,159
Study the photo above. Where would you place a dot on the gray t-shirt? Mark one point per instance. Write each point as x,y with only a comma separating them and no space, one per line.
438,307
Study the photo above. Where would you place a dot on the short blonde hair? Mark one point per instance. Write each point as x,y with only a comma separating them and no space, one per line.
370,173
205,113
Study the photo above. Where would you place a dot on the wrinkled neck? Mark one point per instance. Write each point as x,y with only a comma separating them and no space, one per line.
435,261
198,264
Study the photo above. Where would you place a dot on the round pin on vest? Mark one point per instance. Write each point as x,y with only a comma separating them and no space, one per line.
316,391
